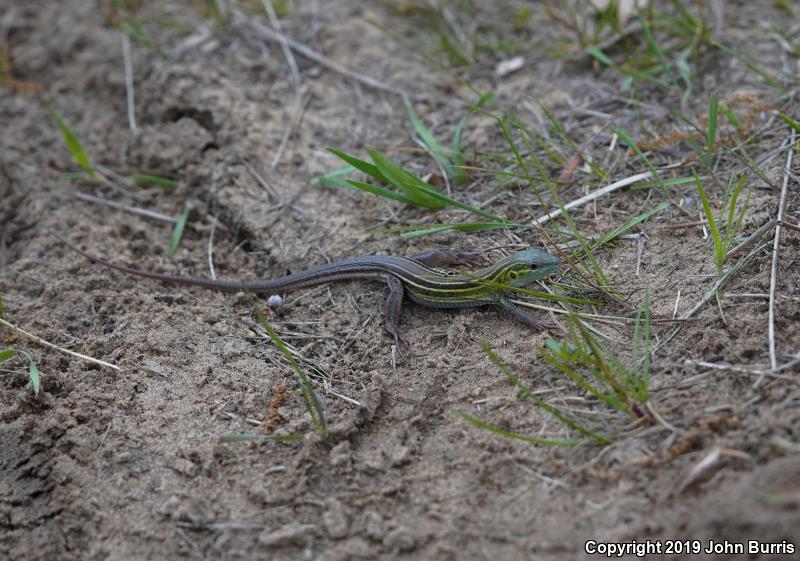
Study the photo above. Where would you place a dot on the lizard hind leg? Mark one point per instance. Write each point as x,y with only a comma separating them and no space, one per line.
445,257
394,304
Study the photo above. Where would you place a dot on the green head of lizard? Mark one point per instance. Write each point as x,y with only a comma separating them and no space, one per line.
524,267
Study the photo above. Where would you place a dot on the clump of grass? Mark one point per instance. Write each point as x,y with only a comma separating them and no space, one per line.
592,368
589,364
402,185
672,40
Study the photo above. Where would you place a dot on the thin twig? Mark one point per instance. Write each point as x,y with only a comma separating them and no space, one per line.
349,400
211,248
773,277
271,193
128,64
592,196
119,206
789,225
752,238
660,420
677,301
311,54
300,99
41,341
760,372
287,52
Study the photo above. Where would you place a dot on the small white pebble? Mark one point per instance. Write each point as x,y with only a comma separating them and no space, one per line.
275,301
506,67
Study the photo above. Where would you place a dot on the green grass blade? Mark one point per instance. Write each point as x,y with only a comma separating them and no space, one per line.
640,353
731,226
633,74
361,165
429,140
516,436
601,358
712,225
338,172
651,42
616,232
414,188
426,230
581,356
332,179
713,110
375,190
33,370
730,115
789,121
33,374
670,182
313,404
457,156
752,67
135,30
73,144
792,46
141,179
415,184
623,134
177,232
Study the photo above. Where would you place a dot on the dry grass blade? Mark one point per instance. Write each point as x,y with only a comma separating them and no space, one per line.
593,196
773,276
47,344
128,65
127,208
313,55
706,466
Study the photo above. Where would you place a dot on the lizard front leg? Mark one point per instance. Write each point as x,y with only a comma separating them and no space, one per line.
522,316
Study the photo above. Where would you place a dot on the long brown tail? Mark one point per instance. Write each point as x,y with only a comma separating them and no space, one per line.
223,285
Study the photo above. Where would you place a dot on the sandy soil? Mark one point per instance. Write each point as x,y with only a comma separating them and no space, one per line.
130,464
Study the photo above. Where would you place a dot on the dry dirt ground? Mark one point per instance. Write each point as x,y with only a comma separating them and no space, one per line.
130,464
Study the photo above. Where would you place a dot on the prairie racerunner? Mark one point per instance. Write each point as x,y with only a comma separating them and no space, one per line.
419,276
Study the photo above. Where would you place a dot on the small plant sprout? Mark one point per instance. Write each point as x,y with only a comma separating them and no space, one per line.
731,212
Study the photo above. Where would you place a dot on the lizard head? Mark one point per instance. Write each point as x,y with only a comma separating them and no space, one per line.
525,267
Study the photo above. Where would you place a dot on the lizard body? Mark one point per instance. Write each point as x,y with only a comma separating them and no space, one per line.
419,276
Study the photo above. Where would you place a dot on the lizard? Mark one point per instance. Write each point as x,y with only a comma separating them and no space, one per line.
420,276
